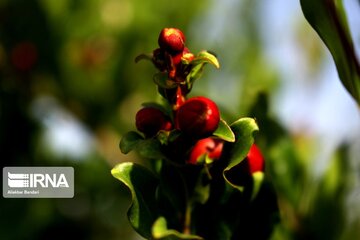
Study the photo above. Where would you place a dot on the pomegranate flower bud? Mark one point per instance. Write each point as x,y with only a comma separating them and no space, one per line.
198,117
255,166
207,146
255,160
250,172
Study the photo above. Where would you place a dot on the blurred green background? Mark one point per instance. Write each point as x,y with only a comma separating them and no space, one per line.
70,88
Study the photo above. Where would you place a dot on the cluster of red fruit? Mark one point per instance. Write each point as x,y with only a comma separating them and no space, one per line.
171,53
195,118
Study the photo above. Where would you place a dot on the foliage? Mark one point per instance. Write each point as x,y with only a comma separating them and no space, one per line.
205,189
328,18
79,66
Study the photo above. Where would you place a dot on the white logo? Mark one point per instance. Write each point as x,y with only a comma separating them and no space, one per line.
38,182
19,180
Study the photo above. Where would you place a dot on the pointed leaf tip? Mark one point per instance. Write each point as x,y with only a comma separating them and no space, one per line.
206,57
143,57
224,132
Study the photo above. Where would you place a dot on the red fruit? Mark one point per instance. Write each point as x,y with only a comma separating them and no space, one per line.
171,40
198,117
151,120
255,160
209,146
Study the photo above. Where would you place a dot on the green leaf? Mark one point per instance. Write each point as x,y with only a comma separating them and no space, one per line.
173,186
206,57
160,231
142,185
147,148
129,141
174,134
143,57
163,137
258,178
244,130
162,80
197,66
150,148
195,73
202,188
224,132
328,18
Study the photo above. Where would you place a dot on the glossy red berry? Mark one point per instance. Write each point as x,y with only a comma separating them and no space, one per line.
198,117
171,40
210,146
151,120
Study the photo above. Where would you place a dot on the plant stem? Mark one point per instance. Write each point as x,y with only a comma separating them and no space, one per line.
188,208
187,221
207,171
